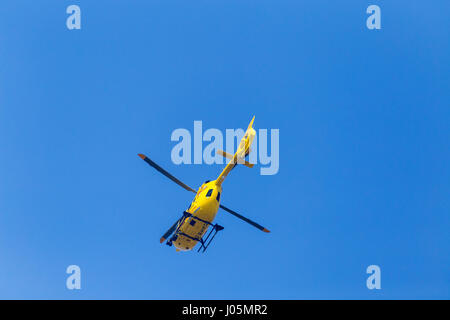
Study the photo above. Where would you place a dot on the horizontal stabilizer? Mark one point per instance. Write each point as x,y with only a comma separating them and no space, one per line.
230,156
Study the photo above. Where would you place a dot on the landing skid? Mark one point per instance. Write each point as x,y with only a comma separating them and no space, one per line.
204,243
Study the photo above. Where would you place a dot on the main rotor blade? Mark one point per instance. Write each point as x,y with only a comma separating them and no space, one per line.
253,223
164,172
169,232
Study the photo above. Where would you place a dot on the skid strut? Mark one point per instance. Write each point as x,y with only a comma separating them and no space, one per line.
204,244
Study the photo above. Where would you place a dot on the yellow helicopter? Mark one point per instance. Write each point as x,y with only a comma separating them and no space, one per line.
195,221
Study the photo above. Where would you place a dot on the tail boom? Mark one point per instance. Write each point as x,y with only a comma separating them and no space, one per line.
239,157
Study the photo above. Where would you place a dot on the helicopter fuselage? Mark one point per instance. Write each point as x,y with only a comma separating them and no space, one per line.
203,210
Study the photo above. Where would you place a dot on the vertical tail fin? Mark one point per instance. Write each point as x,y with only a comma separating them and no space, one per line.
251,123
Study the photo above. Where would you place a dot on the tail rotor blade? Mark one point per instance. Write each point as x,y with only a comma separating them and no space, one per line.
253,223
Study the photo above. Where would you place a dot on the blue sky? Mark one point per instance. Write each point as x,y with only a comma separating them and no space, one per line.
364,148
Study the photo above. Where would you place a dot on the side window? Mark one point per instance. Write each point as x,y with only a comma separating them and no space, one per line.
218,196
208,194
